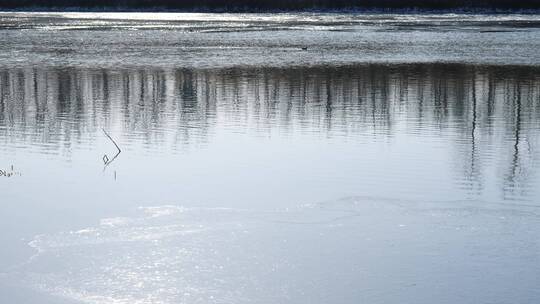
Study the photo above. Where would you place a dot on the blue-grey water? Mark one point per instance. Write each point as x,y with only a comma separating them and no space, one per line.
287,158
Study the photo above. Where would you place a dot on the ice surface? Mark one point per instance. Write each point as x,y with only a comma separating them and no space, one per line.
356,248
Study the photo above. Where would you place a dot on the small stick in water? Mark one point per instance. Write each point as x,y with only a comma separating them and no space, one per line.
106,159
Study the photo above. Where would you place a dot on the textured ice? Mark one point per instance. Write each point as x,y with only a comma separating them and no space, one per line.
225,40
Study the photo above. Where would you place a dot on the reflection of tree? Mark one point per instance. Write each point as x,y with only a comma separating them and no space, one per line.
54,109
474,177
520,140
517,129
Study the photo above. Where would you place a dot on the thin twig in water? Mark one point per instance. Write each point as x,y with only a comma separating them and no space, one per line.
106,159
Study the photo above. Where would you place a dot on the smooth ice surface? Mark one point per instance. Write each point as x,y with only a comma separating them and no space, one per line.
394,160
344,251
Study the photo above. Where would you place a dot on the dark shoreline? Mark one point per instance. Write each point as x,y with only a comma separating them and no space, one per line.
350,10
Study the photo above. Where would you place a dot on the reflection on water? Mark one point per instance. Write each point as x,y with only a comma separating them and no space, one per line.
243,169
487,116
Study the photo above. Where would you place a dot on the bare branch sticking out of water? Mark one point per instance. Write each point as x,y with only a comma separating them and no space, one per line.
106,160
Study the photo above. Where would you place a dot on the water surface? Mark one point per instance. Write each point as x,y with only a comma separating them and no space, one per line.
253,171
